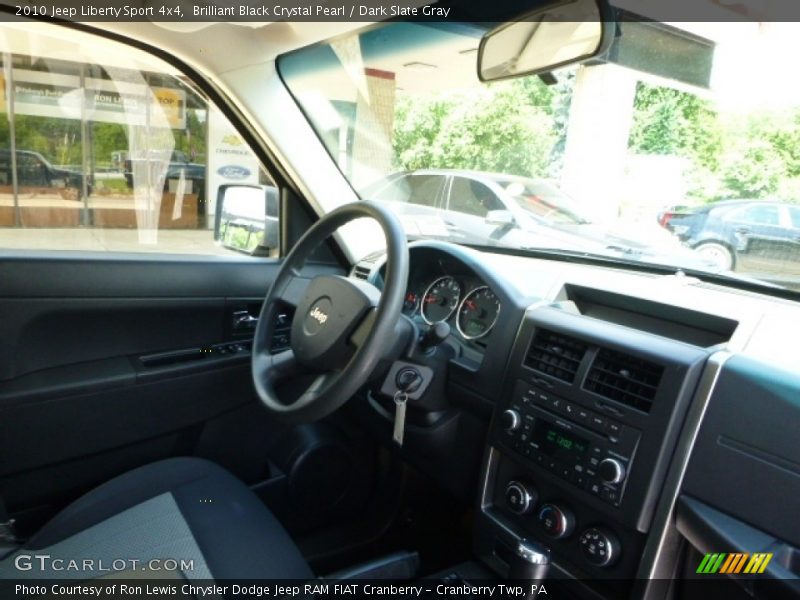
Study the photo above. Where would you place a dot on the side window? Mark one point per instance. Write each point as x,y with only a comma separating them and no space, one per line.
104,147
794,216
756,214
31,170
423,190
472,197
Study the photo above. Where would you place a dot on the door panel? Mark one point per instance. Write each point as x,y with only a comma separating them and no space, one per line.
47,333
109,362
763,243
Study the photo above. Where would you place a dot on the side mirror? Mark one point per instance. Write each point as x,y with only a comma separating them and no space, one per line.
246,218
500,218
556,35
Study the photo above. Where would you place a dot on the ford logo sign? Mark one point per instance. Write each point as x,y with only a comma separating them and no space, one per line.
233,172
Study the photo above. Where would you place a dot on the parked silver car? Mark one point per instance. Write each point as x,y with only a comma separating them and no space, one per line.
506,210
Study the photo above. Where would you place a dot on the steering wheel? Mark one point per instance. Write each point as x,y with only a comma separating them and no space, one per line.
341,326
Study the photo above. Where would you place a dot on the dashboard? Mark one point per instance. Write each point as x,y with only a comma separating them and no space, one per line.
573,395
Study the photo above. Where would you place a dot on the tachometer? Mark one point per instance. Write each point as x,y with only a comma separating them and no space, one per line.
440,300
477,313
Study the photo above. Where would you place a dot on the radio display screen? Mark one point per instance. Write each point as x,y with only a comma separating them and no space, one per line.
559,443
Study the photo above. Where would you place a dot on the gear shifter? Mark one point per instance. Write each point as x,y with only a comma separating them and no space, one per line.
530,564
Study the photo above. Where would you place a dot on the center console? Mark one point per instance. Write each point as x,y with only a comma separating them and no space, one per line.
580,442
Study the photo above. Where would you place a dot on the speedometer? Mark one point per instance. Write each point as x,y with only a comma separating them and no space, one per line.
477,313
440,300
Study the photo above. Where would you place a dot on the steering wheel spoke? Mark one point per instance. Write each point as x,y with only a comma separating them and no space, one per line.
292,289
271,368
284,364
319,385
360,334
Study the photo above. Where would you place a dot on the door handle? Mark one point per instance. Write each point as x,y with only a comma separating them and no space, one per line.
743,230
244,321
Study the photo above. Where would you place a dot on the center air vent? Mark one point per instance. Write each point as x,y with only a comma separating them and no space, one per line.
361,272
555,354
624,378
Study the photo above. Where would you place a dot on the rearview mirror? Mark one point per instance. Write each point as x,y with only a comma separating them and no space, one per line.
247,218
561,33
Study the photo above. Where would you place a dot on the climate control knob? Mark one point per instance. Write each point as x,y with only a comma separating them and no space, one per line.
510,420
611,470
599,546
556,521
521,497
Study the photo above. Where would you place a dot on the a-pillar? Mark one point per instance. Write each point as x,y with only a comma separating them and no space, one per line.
597,138
372,139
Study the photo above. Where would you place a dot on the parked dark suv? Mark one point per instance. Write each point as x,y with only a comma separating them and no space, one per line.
34,170
752,236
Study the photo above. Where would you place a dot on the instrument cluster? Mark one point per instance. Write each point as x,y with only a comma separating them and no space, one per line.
471,305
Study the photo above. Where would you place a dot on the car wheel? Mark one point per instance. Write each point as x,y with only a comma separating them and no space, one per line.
717,254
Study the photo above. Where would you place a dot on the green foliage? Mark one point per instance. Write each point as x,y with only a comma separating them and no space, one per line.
108,138
670,122
533,92
785,139
59,140
752,156
506,127
754,171
416,126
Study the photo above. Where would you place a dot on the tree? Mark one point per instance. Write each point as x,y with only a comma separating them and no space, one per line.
785,139
752,171
671,122
417,123
506,127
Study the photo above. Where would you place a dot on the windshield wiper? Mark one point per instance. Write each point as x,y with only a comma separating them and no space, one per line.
625,250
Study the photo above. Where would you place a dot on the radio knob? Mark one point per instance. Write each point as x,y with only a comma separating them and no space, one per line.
521,497
611,470
599,546
557,522
510,420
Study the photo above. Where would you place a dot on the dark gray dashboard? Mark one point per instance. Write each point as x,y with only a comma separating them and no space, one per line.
643,354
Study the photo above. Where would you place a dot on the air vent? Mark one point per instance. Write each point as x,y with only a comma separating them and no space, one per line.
554,354
362,272
624,378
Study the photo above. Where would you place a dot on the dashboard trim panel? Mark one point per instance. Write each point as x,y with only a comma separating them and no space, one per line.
664,538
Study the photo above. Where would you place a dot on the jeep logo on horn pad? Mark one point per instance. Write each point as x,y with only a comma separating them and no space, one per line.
318,315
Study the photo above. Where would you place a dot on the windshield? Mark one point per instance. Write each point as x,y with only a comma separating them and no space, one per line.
662,151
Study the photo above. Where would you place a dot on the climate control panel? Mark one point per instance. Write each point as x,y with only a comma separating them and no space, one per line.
555,521
521,497
599,546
